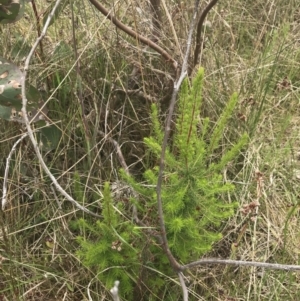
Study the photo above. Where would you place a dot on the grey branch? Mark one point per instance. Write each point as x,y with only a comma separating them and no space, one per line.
273,266
4,200
115,291
183,286
27,123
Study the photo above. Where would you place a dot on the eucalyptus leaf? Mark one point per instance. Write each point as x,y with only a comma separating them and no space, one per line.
48,136
11,10
5,113
11,97
10,84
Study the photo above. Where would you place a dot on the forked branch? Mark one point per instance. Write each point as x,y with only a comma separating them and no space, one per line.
134,34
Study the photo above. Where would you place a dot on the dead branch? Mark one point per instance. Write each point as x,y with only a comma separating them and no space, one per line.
203,15
134,34
27,123
273,266
4,200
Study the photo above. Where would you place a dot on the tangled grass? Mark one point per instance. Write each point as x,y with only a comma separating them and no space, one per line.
250,47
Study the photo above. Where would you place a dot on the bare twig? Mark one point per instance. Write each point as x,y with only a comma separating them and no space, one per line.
175,265
89,291
138,92
118,150
203,15
273,266
4,200
134,34
115,291
183,286
27,123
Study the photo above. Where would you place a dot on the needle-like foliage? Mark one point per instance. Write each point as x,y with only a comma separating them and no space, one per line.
193,197
193,183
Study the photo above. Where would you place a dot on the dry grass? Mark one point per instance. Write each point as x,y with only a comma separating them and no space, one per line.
252,48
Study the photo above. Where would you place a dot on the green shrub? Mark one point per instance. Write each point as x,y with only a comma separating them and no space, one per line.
192,199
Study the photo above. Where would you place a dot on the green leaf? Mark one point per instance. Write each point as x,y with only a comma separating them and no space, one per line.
11,95
5,112
11,10
48,136
10,84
